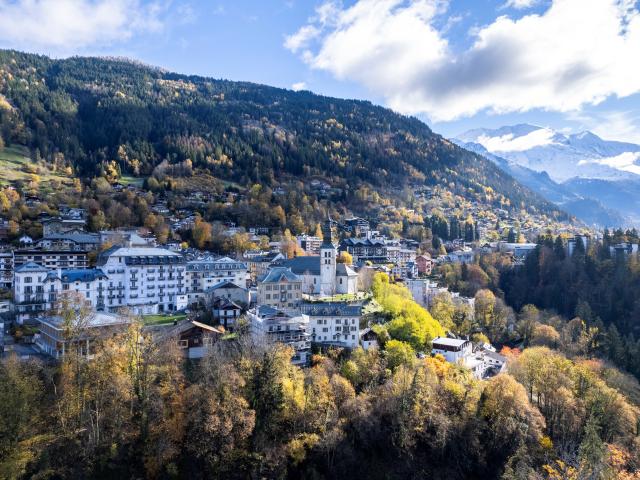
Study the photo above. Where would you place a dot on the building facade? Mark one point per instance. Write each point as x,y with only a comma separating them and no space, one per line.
201,275
280,288
335,324
147,280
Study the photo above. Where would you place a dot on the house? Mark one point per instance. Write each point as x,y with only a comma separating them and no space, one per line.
454,350
229,291
271,325
226,312
369,339
280,288
148,280
62,224
334,324
321,274
482,363
25,240
75,240
53,340
202,274
194,339
424,264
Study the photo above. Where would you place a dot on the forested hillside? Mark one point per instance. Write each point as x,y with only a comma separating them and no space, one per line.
101,115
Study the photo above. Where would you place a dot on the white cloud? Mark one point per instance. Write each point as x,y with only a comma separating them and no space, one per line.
520,4
623,126
63,25
577,53
625,161
301,38
509,143
296,87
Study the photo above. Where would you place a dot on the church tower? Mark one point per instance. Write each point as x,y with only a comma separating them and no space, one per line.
328,254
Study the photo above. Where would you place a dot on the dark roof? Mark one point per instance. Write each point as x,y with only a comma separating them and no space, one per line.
225,284
74,237
303,265
330,309
365,242
82,275
277,274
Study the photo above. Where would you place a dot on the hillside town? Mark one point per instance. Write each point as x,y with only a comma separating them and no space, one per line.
312,301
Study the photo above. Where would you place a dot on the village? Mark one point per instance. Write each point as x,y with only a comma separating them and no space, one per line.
315,300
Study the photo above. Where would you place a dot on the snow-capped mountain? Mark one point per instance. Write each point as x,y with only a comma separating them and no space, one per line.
563,157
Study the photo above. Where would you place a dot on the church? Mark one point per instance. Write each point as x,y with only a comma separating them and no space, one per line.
323,275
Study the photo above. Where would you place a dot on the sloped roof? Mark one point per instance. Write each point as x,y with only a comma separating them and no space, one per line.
303,265
343,270
225,284
82,275
31,267
279,274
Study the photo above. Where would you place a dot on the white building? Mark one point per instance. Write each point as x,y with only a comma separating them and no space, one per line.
52,259
37,289
335,324
482,363
147,280
270,325
205,273
454,350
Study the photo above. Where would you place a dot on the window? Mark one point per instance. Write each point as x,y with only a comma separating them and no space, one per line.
183,343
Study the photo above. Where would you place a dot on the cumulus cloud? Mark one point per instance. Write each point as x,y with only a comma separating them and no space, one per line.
296,87
63,25
510,143
576,53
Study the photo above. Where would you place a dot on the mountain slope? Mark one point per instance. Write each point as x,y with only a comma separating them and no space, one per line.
595,179
99,111
582,155
582,204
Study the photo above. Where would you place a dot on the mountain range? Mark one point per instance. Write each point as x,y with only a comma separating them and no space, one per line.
594,179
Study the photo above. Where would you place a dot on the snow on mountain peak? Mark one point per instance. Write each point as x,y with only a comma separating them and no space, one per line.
513,143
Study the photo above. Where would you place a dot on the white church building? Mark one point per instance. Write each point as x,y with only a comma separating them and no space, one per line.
323,275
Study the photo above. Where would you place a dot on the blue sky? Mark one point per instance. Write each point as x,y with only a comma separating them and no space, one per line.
567,64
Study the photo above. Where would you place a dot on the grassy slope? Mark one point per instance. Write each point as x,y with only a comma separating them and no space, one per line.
12,169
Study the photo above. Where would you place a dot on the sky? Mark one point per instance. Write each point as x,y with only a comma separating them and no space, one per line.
570,65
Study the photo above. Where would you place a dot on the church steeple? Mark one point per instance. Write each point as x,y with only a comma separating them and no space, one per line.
327,234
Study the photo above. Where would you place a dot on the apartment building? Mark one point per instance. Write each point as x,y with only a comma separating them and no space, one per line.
51,259
335,324
6,269
148,280
205,273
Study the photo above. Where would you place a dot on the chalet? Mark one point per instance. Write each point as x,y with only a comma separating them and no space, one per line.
193,338
226,312
369,339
